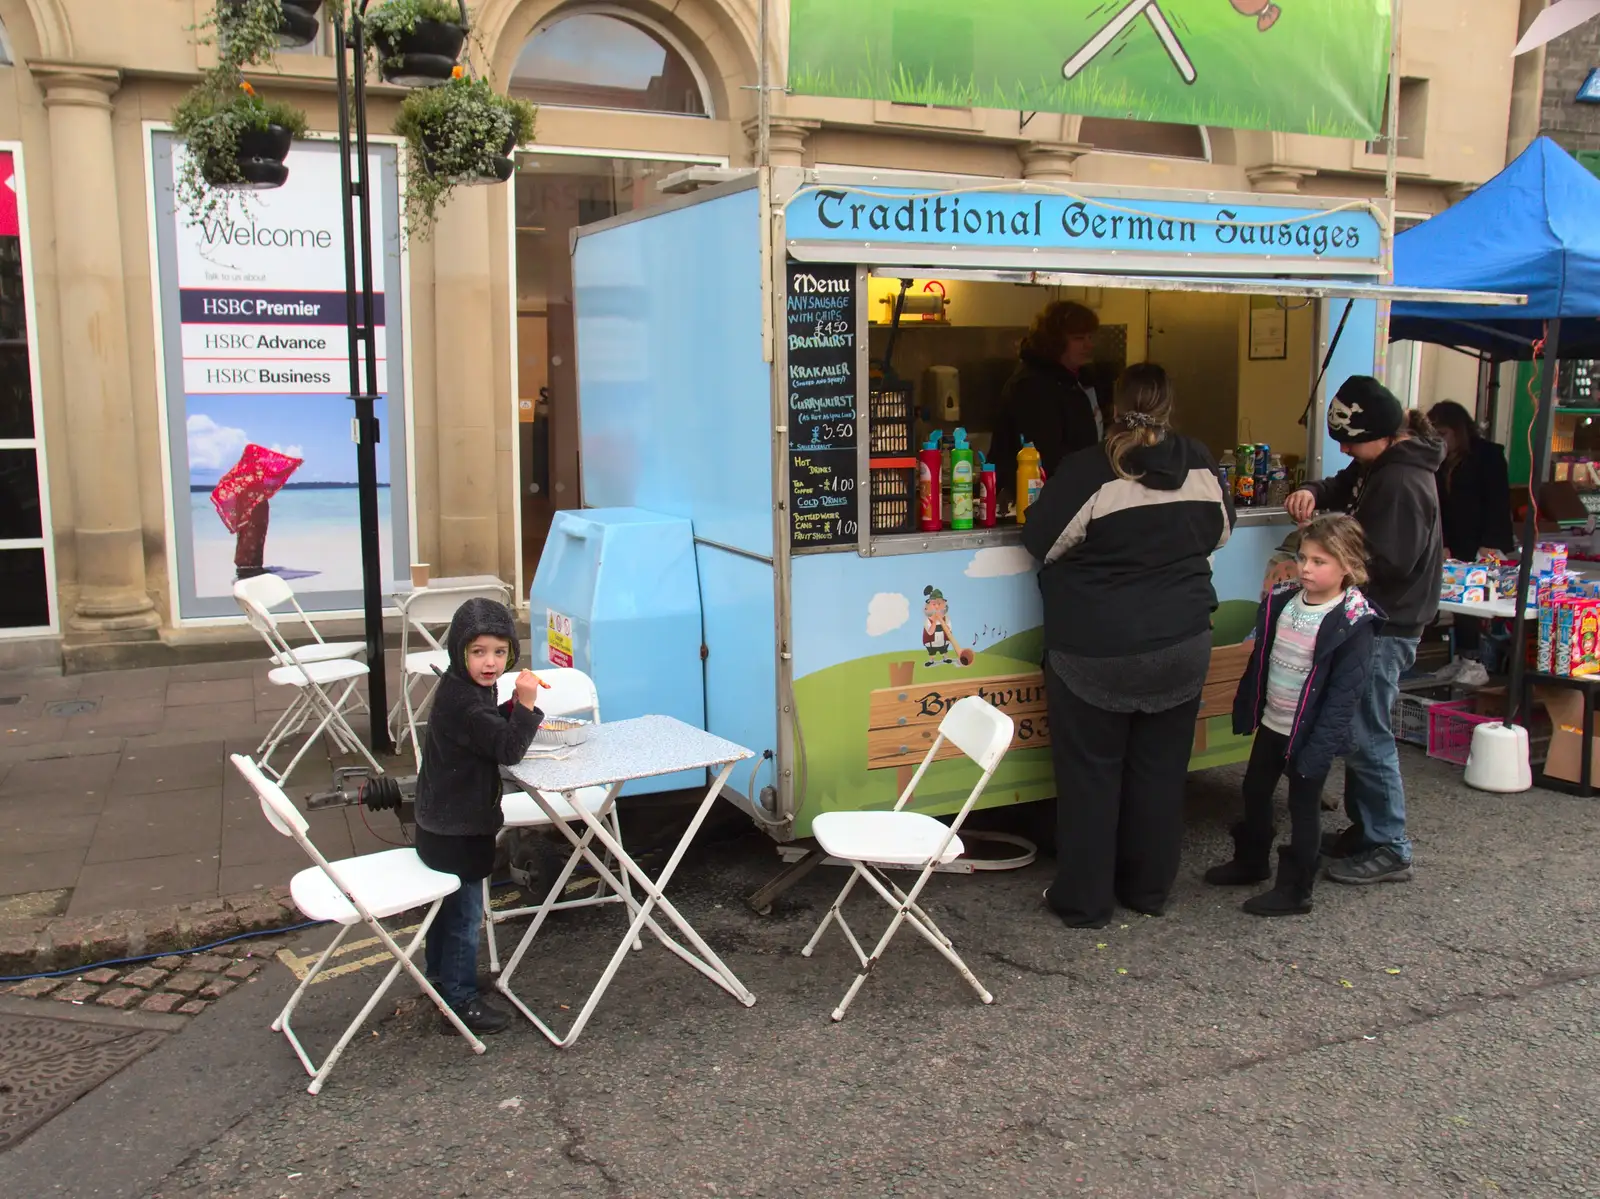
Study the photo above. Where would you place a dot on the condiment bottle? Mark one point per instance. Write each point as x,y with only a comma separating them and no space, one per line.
1030,479
930,486
961,482
988,493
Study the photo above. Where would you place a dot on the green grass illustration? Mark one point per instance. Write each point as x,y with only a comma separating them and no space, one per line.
1321,69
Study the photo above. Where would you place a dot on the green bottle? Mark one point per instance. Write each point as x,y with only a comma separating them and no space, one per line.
961,482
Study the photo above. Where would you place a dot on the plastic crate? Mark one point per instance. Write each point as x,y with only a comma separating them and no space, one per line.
1450,725
891,418
894,495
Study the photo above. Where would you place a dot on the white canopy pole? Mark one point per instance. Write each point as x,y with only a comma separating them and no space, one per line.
1561,17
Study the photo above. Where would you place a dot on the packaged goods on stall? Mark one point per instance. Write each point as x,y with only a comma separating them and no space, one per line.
1584,652
1549,558
1506,583
1545,646
1244,490
1562,663
1453,581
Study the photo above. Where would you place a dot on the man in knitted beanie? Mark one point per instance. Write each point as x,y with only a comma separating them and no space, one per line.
1389,488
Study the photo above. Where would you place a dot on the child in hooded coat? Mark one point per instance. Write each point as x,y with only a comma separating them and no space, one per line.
470,737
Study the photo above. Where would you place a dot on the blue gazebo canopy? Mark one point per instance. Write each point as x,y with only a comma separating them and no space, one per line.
1533,230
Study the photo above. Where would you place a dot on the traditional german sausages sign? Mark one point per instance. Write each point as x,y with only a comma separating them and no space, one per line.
823,504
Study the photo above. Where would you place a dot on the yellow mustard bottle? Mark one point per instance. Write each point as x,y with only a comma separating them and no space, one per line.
1030,479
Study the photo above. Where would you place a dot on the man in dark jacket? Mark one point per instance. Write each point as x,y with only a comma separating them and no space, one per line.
1046,401
1390,489
458,791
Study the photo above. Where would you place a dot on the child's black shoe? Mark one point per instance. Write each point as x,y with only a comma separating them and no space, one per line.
1290,896
481,1017
1250,865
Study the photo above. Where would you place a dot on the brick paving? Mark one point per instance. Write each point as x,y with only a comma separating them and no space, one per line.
125,831
187,985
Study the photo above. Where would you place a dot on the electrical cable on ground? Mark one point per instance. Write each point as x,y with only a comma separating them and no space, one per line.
150,957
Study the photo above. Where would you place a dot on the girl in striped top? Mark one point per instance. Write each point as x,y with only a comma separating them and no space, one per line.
1313,649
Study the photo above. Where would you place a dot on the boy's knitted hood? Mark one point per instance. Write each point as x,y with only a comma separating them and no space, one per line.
480,618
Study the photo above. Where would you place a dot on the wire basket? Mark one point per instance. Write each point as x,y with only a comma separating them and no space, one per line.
894,495
890,420
1450,725
1409,717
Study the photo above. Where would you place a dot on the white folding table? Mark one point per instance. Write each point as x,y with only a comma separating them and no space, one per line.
616,753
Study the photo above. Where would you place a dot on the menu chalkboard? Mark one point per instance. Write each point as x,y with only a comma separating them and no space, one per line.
823,504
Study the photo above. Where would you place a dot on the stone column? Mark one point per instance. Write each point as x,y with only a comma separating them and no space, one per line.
470,427
1051,162
108,532
1278,179
786,140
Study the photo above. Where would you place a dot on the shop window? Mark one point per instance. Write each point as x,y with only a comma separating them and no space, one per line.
1158,138
1413,121
604,59
24,565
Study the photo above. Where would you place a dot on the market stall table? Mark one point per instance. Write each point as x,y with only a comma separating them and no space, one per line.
613,754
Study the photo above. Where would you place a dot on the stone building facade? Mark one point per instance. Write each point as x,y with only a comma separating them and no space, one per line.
630,91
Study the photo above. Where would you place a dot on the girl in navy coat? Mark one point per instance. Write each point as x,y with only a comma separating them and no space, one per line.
1307,672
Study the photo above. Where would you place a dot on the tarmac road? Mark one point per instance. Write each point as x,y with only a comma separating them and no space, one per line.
1439,1038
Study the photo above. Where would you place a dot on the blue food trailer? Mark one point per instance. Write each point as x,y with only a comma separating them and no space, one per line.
748,554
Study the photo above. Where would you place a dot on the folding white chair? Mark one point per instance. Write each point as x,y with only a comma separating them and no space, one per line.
875,841
313,681
272,593
428,606
352,891
571,693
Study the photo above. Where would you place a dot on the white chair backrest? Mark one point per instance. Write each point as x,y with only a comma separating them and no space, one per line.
570,692
267,590
275,805
978,729
438,606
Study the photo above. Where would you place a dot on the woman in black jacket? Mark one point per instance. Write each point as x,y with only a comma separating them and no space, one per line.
1125,533
1047,400
1474,511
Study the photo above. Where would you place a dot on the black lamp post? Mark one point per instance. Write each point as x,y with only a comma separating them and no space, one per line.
356,192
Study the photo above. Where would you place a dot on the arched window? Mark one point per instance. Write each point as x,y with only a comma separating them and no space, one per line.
609,58
1144,137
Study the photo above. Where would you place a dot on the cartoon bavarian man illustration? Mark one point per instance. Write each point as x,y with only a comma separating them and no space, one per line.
1265,12
938,640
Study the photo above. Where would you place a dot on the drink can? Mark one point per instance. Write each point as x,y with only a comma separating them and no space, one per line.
1263,459
1244,490
1246,455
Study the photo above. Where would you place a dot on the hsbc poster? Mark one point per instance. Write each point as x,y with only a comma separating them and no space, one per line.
252,308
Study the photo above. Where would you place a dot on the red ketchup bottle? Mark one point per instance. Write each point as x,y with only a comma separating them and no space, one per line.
988,494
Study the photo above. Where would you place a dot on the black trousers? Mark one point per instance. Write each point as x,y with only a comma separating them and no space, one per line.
1268,763
1469,635
1119,803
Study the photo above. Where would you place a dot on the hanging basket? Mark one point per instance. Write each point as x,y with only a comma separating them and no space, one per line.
421,57
502,167
260,158
298,26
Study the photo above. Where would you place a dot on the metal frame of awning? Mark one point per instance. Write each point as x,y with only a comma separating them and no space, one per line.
1260,285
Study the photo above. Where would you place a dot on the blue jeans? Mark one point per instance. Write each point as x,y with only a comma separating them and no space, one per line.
1374,796
452,951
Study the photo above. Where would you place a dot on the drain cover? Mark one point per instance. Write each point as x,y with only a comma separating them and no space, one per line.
46,1065
72,707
